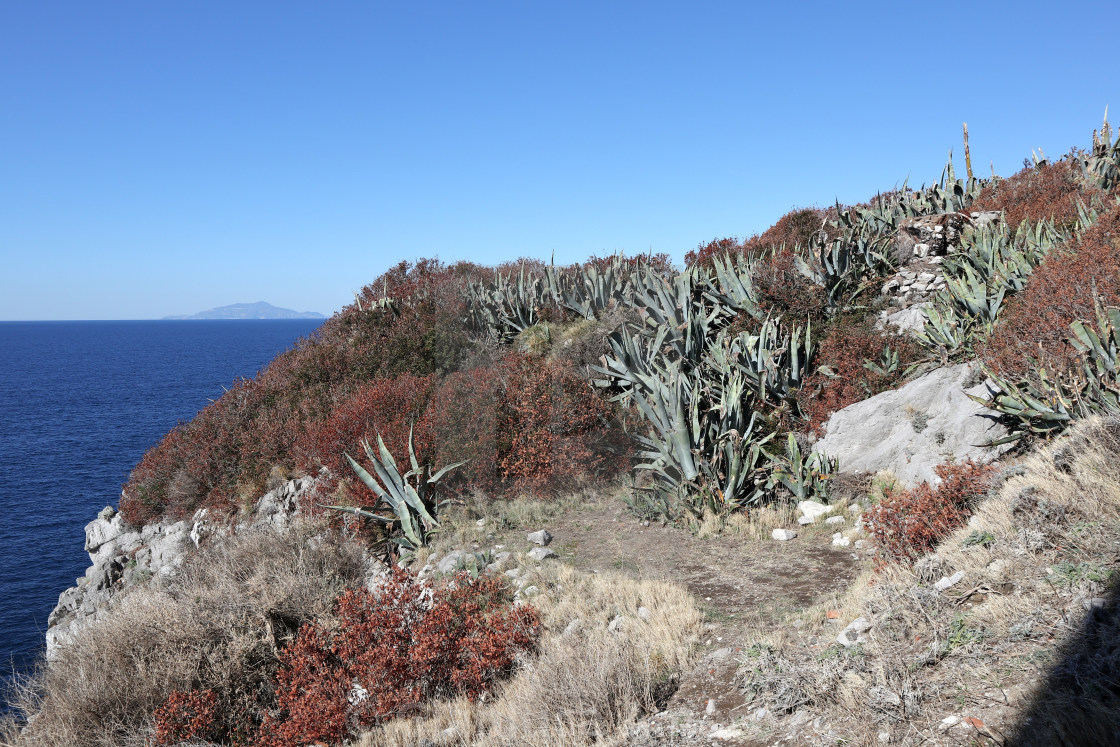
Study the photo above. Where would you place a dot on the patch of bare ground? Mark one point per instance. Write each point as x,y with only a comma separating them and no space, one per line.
739,583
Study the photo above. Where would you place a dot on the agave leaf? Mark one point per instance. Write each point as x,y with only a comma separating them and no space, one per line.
365,477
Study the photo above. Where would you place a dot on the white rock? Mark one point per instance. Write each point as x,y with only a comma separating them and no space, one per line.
834,520
729,732
572,628
839,540
878,433
541,553
711,707
814,510
854,633
948,722
542,537
760,714
783,534
616,624
481,523
855,508
644,613
451,561
803,520
948,581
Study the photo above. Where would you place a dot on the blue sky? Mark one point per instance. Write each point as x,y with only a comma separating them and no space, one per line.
163,158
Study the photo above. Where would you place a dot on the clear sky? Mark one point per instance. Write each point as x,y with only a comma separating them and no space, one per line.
168,157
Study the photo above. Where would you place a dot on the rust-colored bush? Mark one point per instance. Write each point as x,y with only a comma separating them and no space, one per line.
793,228
1035,324
907,524
841,378
1048,192
553,428
462,417
388,407
393,650
185,716
784,292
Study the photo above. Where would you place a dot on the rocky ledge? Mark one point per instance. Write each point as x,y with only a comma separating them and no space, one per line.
124,556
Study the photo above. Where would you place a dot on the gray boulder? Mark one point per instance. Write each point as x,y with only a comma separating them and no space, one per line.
911,430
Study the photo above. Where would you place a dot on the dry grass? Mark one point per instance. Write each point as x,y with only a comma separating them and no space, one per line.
218,625
588,680
1011,641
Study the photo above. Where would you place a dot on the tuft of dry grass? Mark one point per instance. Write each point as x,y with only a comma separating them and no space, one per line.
218,625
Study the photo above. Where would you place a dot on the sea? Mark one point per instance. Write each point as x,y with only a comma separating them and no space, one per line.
80,403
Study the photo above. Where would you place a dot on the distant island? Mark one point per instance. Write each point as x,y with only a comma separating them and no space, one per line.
258,310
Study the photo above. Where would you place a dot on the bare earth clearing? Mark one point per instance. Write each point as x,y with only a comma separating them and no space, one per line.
742,584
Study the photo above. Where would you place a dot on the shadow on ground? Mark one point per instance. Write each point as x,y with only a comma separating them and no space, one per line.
1079,703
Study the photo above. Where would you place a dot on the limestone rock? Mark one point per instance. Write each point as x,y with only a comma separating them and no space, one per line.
911,430
541,553
813,510
855,632
542,537
783,535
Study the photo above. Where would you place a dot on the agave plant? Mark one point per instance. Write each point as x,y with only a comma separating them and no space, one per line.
508,306
1102,163
732,284
589,291
410,497
1043,404
805,476
773,362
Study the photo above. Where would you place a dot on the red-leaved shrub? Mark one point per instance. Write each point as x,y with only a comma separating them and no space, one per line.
462,417
841,378
1048,192
389,407
794,228
394,649
784,292
1035,324
186,716
907,524
553,428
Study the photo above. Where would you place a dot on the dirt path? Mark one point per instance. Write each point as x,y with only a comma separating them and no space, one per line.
740,584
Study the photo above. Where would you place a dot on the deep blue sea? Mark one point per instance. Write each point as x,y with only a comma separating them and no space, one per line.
80,403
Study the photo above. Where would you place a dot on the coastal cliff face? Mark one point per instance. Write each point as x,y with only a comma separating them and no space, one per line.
123,556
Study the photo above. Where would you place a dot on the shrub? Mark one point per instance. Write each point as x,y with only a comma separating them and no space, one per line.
552,426
394,649
784,292
1034,327
907,524
1047,192
703,253
389,407
462,420
185,716
793,228
842,378
214,627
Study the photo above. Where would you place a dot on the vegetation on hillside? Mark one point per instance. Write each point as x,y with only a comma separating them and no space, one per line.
701,387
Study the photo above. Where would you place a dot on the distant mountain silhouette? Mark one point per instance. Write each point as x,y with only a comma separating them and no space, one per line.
258,310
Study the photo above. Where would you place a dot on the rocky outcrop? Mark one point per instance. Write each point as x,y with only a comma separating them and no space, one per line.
911,430
920,248
124,556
